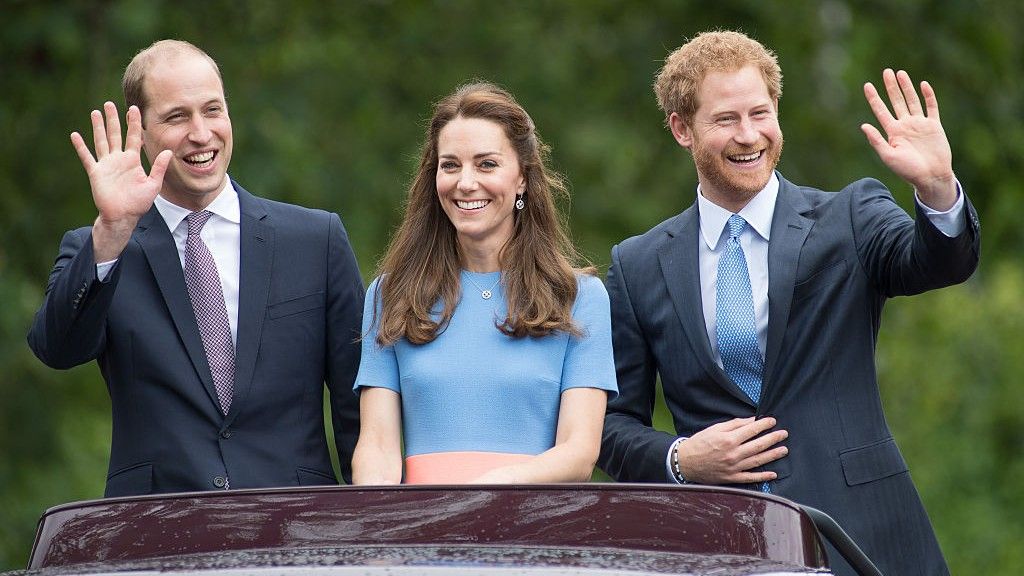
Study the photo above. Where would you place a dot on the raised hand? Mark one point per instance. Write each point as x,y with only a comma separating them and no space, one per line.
726,452
121,189
915,145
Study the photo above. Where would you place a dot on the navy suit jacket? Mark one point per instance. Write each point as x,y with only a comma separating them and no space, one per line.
299,317
833,261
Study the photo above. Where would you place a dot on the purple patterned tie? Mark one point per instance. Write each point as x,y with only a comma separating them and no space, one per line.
204,290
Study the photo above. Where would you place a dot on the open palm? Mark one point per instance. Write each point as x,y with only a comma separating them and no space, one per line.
121,189
915,146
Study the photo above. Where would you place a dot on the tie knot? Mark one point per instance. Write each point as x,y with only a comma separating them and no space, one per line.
196,221
736,224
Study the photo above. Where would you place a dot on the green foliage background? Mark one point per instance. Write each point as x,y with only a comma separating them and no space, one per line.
329,100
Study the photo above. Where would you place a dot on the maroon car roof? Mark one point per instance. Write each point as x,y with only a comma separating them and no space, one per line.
630,528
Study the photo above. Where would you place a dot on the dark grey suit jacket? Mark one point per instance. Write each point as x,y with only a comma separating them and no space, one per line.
299,315
833,260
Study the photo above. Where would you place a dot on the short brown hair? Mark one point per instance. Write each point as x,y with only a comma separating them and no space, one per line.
678,81
135,74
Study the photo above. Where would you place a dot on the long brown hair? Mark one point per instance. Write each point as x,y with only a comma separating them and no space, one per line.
422,263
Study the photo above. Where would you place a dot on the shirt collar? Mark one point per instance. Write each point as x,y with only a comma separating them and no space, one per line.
758,213
224,205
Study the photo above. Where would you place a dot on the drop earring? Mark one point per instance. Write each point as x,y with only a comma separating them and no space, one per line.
520,203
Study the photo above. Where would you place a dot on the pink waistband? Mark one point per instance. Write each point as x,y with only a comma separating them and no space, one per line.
456,467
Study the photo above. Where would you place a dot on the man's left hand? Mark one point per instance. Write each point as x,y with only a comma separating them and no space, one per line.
915,146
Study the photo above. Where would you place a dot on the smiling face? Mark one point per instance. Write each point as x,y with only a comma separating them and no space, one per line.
735,137
187,114
478,178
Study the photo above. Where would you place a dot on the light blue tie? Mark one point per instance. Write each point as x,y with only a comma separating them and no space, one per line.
734,316
734,319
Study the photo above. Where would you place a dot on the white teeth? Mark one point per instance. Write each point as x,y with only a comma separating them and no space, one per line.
199,158
745,157
471,205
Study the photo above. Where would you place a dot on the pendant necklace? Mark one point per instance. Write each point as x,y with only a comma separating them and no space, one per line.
485,294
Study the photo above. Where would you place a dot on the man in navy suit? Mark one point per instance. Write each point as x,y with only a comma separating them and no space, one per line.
760,304
215,340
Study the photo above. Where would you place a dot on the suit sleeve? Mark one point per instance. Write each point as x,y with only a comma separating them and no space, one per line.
905,256
344,319
70,326
631,449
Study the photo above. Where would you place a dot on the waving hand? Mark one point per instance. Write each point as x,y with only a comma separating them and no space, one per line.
915,145
121,189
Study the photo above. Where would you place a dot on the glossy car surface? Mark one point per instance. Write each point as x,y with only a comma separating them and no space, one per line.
537,529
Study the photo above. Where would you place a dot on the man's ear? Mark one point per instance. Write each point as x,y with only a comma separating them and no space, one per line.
680,131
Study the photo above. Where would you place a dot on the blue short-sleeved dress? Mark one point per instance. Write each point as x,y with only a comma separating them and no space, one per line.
475,399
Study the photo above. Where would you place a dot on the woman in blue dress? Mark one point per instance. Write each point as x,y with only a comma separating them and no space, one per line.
486,354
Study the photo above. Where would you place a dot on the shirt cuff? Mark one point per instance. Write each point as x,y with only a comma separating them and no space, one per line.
103,269
951,222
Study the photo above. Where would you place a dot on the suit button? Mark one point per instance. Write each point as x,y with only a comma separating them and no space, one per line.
226,434
219,481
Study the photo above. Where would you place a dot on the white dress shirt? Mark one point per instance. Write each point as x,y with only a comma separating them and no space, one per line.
222,235
754,241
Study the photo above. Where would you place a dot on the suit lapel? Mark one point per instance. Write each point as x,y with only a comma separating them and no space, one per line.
256,245
789,231
680,267
161,253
